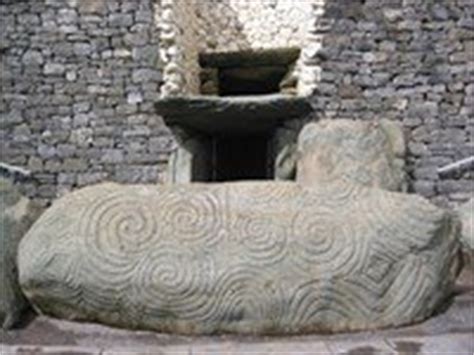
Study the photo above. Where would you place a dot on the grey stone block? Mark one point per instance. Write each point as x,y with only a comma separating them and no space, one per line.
82,49
145,75
54,69
466,215
74,165
361,152
134,97
16,216
120,20
240,257
67,16
424,188
112,156
32,57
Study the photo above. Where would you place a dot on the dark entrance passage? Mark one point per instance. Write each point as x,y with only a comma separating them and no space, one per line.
241,158
248,72
251,81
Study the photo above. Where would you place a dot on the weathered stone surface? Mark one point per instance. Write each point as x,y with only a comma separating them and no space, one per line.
367,153
72,73
239,114
240,257
16,216
466,214
285,163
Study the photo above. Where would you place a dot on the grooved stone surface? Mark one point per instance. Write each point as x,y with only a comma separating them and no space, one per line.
366,153
452,330
242,257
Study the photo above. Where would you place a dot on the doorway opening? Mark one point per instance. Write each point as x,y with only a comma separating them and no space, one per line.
250,72
223,158
241,158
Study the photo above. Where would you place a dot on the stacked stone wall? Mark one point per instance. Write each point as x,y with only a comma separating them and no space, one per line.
191,27
78,82
406,60
79,79
179,50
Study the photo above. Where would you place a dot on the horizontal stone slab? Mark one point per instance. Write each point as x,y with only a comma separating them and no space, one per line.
237,114
249,58
249,257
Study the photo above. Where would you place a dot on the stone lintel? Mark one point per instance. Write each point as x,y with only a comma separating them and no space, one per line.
250,58
231,115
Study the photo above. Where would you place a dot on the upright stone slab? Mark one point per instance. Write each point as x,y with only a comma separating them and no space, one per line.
240,257
17,213
466,214
366,153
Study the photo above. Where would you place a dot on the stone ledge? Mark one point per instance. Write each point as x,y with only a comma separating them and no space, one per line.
454,343
236,114
249,58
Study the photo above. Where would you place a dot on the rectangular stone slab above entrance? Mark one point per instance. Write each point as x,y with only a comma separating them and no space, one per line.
230,138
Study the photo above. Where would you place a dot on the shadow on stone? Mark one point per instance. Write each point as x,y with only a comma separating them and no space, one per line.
363,350
408,347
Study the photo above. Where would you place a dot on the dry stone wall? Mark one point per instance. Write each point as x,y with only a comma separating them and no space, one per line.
78,80
191,27
179,51
233,25
410,61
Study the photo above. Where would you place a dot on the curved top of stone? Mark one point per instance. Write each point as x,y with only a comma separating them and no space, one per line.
236,114
369,153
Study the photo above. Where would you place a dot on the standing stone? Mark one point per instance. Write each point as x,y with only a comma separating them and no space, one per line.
466,214
366,153
17,213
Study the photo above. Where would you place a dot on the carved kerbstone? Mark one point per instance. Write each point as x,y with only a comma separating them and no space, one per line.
240,257
367,153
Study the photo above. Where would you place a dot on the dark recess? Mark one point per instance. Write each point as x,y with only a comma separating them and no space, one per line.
251,81
241,158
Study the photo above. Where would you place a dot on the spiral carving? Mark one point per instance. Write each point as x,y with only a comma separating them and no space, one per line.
331,245
264,238
176,280
264,194
241,257
194,218
117,229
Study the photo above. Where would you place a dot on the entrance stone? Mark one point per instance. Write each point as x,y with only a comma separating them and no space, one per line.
247,257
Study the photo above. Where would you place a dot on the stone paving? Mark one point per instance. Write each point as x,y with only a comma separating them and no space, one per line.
449,333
